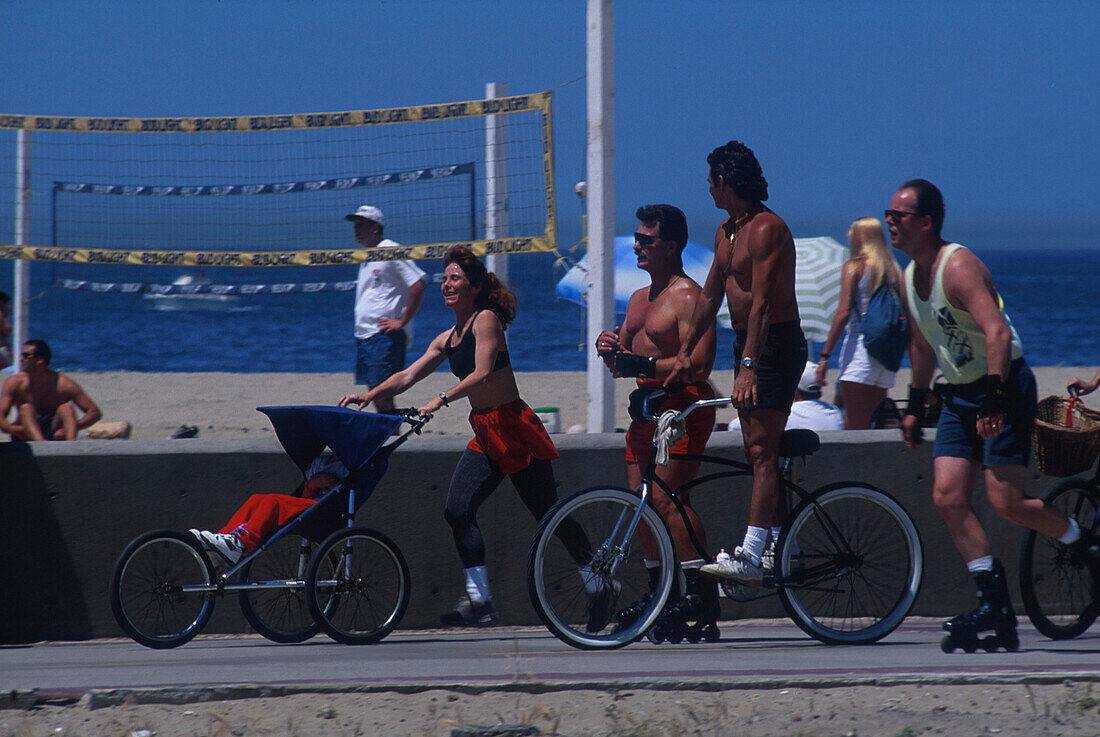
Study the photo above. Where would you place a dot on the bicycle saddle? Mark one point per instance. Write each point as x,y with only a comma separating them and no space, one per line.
798,443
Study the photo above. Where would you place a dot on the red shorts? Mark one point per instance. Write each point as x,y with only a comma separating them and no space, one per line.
699,424
512,435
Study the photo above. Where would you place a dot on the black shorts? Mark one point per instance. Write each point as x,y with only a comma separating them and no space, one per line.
779,367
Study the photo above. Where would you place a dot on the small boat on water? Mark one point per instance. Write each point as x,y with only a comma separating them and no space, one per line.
191,292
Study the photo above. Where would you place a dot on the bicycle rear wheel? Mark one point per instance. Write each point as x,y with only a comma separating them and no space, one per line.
583,609
357,586
849,564
1058,589
279,611
161,590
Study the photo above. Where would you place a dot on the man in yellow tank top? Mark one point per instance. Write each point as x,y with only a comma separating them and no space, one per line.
989,407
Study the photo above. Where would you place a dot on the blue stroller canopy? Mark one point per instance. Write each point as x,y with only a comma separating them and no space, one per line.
353,436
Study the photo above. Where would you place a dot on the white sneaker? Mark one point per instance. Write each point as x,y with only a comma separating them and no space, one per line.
738,567
227,546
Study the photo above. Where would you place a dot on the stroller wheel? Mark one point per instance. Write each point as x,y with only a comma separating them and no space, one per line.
357,586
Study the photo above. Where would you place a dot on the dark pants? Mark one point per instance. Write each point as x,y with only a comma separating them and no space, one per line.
476,477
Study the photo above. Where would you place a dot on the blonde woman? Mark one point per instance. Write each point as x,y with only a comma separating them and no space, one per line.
863,380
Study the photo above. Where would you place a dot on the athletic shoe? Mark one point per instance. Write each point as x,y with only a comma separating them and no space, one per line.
228,547
471,614
738,567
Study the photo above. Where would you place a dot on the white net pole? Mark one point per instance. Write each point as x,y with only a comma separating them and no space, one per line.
601,208
22,267
496,179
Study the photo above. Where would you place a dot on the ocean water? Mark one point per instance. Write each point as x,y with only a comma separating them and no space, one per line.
1051,295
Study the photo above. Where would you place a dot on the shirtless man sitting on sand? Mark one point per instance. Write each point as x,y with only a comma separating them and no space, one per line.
45,401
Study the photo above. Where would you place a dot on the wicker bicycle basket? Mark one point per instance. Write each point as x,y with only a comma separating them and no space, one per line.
1062,450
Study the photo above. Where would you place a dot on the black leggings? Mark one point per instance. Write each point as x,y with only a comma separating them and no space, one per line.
476,477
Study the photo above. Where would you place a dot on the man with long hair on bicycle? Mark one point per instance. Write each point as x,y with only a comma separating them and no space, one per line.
645,347
509,439
988,408
754,258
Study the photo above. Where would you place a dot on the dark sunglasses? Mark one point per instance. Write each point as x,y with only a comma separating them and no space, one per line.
899,214
24,354
646,240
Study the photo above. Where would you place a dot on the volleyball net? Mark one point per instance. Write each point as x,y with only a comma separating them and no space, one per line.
273,190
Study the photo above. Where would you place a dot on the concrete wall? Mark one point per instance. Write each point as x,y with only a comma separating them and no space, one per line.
68,509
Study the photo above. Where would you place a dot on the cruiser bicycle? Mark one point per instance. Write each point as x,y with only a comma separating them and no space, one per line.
847,565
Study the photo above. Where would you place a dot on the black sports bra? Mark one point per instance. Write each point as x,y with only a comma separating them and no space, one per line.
461,357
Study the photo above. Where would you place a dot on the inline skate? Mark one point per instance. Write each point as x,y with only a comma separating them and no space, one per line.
993,614
693,618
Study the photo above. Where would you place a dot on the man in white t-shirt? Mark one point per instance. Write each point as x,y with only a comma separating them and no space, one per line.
809,411
387,296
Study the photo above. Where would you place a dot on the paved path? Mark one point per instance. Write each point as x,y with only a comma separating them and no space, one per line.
755,654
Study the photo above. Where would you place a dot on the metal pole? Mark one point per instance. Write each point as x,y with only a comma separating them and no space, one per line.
496,179
601,207
22,267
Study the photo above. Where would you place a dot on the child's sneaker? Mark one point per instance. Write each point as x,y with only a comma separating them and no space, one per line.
227,546
471,614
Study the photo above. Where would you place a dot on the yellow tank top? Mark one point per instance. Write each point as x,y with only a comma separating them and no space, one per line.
957,340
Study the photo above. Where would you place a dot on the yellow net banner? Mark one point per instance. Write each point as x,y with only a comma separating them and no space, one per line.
331,257
475,108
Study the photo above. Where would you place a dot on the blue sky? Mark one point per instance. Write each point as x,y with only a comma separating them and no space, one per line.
994,101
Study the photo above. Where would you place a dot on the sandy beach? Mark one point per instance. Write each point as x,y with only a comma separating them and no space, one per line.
223,405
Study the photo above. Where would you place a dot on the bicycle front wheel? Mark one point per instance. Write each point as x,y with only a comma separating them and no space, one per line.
1058,588
162,590
849,564
357,586
276,605
586,575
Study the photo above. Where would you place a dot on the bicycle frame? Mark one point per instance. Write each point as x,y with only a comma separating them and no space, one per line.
795,493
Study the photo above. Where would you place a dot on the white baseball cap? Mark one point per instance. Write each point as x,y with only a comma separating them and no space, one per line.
808,383
367,212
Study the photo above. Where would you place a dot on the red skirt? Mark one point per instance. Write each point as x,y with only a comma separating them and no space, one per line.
512,435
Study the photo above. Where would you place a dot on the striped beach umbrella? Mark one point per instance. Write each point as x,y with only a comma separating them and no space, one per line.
817,283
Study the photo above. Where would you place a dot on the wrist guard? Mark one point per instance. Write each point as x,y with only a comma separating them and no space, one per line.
918,399
994,401
631,364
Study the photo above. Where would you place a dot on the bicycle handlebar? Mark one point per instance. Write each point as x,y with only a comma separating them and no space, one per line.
698,404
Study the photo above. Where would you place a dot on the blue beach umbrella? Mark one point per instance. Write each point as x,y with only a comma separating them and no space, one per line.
817,279
573,287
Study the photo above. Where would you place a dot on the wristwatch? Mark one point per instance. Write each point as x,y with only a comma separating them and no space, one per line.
748,363
443,396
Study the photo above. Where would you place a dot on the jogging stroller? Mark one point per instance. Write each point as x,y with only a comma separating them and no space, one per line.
318,571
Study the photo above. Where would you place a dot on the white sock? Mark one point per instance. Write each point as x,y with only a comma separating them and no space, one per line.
985,563
477,584
1072,533
753,544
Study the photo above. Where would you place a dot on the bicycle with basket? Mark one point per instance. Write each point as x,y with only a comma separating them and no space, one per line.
1058,585
320,572
847,566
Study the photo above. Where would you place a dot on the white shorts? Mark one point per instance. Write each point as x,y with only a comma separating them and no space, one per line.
858,367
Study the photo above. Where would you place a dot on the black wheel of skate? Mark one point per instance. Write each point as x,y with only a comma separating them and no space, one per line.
970,647
655,635
990,644
947,644
694,635
1059,590
711,633
1011,642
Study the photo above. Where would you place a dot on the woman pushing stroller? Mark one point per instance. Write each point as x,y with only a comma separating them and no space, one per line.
509,439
